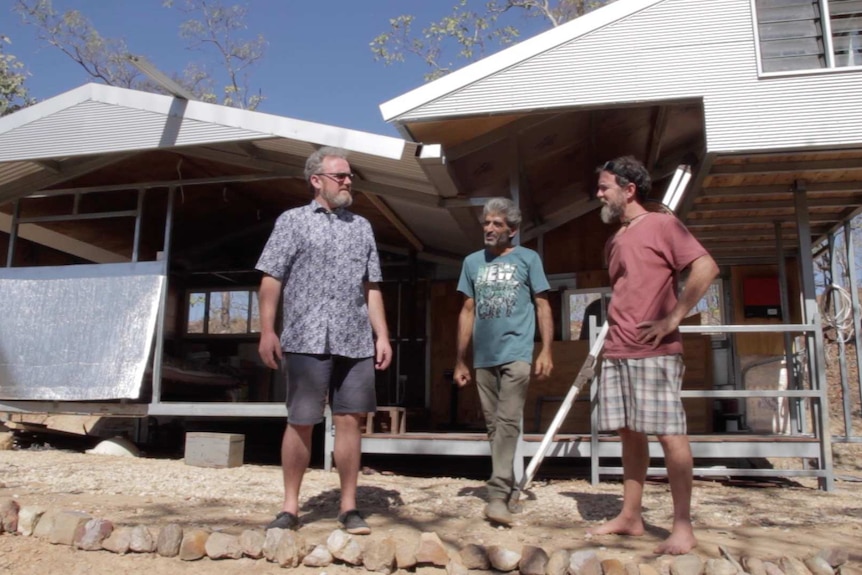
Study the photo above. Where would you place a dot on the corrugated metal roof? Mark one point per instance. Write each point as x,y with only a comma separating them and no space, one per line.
668,50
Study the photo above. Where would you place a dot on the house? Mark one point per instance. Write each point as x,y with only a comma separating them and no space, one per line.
748,110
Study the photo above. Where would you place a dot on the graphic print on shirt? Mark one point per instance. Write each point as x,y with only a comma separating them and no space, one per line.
496,290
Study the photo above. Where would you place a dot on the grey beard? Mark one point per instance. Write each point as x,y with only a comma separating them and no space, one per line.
610,214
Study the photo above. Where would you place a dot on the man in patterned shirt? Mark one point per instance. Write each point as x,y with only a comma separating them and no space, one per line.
504,289
323,260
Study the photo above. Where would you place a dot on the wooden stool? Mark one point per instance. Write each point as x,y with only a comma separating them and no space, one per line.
397,419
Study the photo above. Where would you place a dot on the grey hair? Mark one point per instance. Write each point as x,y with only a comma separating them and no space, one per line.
506,208
315,160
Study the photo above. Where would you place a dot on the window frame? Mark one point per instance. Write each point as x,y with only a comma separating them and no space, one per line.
253,304
828,48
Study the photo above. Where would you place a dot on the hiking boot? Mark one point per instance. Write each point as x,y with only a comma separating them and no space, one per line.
284,520
352,522
498,512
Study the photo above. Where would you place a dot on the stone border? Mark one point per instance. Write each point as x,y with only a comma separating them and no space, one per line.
379,554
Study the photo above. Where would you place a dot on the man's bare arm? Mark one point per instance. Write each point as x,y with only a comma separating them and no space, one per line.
270,344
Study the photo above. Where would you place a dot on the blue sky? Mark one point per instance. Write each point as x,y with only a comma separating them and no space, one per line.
318,66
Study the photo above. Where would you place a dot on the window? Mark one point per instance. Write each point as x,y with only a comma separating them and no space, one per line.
809,34
223,312
579,305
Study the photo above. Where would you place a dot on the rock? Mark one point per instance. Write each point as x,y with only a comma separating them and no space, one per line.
726,554
457,568
224,546
45,524
835,556
818,565
142,540
169,540
772,569
558,562
9,515
688,564
753,566
379,555
194,544
344,547
7,441
475,556
283,546
65,526
632,569
534,560
584,563
503,559
720,567
846,569
28,517
319,557
251,541
405,552
613,567
91,534
431,550
793,566
117,446
645,569
118,541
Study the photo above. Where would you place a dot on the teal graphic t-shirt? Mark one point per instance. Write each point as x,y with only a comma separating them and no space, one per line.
503,287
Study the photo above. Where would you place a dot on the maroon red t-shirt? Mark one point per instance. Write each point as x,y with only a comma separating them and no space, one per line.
644,261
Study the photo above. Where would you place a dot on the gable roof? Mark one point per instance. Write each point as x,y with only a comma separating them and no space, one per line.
76,137
394,109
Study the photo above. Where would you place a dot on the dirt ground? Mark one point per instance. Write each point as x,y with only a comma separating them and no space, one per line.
759,518
766,519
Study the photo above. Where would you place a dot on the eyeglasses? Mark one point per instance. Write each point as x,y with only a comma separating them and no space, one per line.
339,176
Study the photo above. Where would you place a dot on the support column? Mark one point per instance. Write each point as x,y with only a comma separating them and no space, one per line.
814,342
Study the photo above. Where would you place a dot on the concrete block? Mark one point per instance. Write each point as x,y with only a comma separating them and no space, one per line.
205,449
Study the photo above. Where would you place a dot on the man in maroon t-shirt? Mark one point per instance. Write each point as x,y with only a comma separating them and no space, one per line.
642,367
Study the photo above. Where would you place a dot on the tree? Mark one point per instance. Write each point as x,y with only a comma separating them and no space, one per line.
210,26
469,33
13,93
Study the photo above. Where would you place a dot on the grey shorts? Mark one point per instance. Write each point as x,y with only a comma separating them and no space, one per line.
347,383
642,395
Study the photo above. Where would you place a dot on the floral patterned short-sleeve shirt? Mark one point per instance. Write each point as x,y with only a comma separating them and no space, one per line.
323,258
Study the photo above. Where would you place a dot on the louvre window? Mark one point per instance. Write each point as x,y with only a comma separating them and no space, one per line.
795,35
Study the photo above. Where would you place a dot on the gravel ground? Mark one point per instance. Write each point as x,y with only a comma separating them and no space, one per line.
765,519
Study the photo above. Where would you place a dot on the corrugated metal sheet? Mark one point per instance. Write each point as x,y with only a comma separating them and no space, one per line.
676,49
77,332
11,171
61,133
433,226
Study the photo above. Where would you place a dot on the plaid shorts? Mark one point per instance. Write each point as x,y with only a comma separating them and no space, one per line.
642,395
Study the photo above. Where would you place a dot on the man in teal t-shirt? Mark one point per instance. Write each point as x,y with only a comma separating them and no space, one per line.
504,289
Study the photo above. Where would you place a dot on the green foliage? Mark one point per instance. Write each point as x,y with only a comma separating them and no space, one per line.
466,34
13,93
211,26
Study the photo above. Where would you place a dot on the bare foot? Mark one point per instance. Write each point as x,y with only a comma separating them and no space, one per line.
680,542
621,526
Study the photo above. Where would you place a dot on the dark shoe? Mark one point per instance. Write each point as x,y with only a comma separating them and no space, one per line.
285,520
352,522
498,511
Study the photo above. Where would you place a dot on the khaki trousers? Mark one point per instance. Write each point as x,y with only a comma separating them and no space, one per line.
502,391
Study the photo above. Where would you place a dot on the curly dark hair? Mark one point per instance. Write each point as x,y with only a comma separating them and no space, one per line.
629,170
